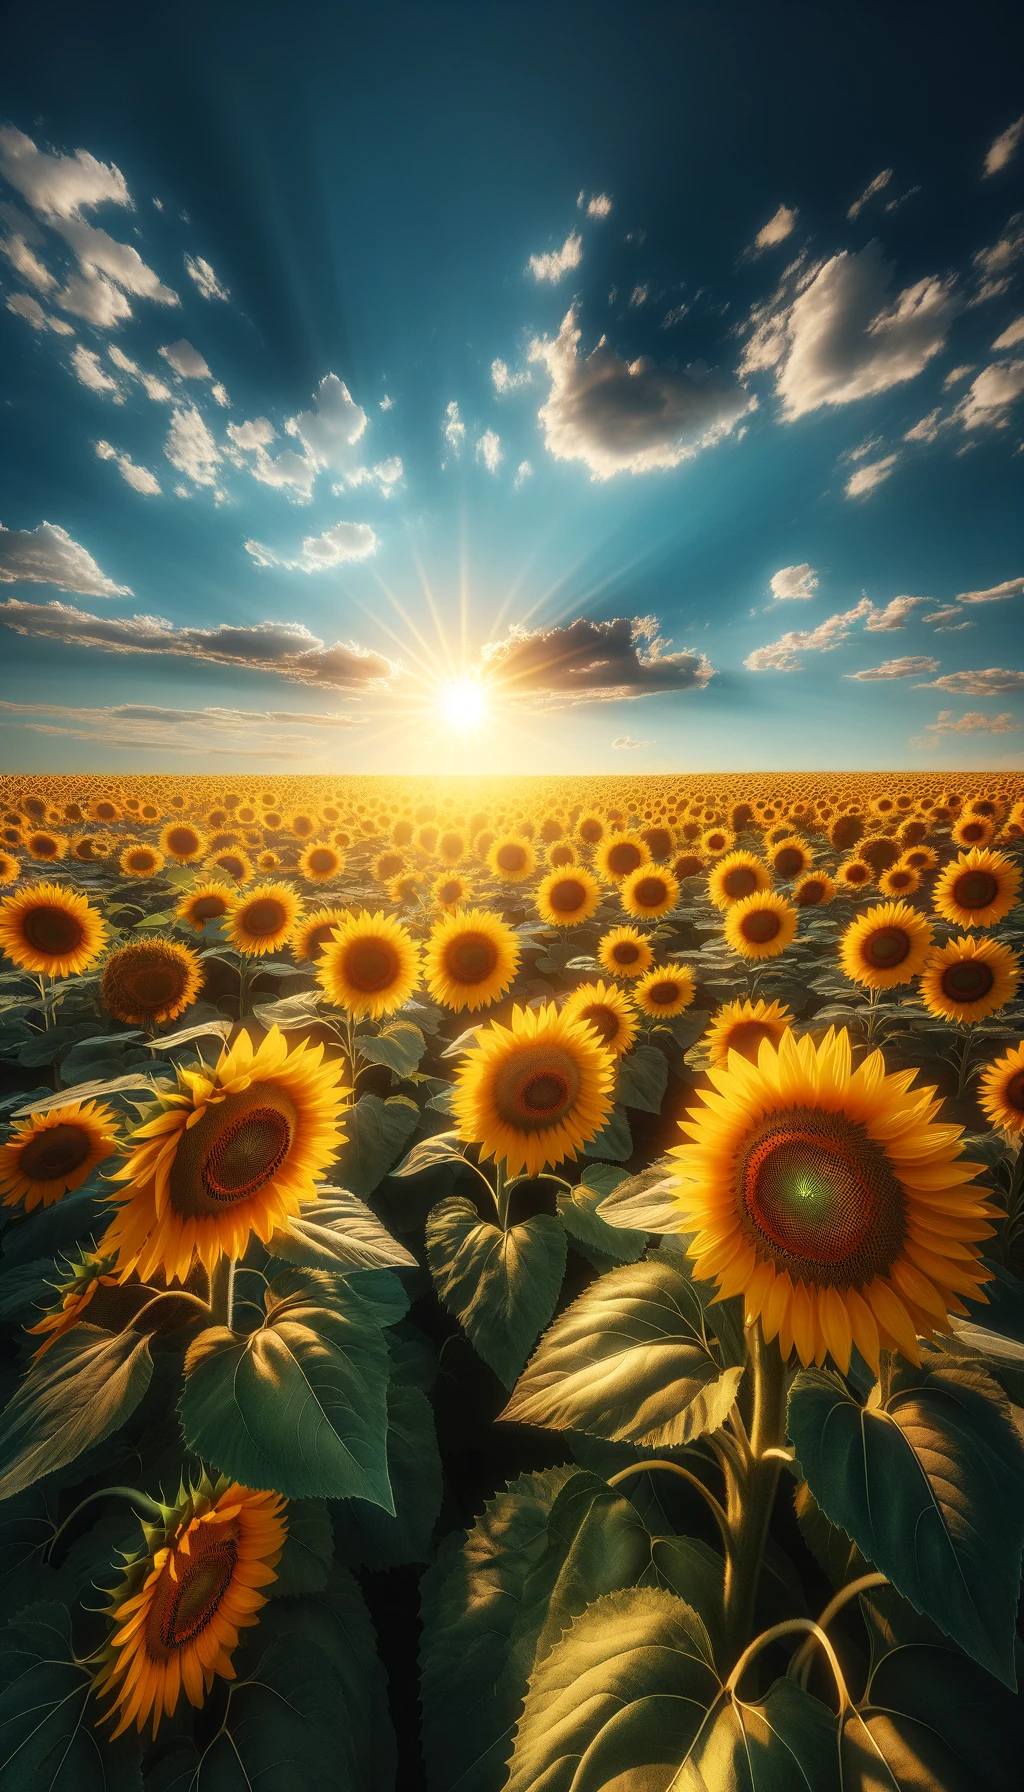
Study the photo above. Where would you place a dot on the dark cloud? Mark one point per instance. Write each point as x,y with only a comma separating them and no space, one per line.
586,662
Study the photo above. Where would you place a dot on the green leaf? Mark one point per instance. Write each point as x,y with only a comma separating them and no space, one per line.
695,1573
48,1718
300,1404
90,1091
429,1154
289,1012
308,1551
1003,1310
375,1133
930,1485
615,1141
207,1029
835,1551
785,1740
644,1202
338,1231
27,1525
501,1286
642,1079
626,1690
85,1386
400,1046
630,1360
579,1211
368,1537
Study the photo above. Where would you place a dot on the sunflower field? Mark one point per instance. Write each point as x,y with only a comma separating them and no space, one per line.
512,1284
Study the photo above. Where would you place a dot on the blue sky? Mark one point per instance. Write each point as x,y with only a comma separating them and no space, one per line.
649,379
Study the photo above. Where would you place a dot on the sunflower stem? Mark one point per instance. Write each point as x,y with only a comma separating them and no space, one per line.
751,1489
107,1493
222,1292
800,1666
502,1194
676,1468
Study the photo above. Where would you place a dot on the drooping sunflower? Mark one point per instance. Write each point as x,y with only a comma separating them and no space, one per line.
370,966
150,981
76,1290
978,889
899,880
470,959
969,979
262,920
141,861
10,868
512,858
450,891
608,1010
184,1599
761,926
623,952
649,892
737,876
814,890
405,890
52,1153
661,994
855,874
829,1199
50,929
320,863
743,1026
534,1093
232,862
208,901
1001,1090
181,841
886,945
233,1152
565,898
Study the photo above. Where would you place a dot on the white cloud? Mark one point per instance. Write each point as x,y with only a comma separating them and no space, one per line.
27,264
795,581
219,394
59,186
877,185
186,360
778,227
783,655
385,476
47,555
488,450
947,621
990,683
1005,146
201,272
559,261
974,722
635,417
1008,588
295,473
285,648
139,478
994,264
504,381
331,429
87,369
956,374
673,317
98,255
638,297
897,611
625,744
992,395
524,471
152,386
910,666
191,448
386,403
218,731
454,428
24,305
867,479
96,300
927,429
250,436
320,553
1013,334
832,333
597,206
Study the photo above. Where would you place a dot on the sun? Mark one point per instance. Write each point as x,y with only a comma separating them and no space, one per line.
463,705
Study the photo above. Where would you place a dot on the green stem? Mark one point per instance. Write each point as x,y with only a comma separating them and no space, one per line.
787,1629
751,1491
963,1073
222,1292
502,1195
108,1493
171,1294
676,1468
800,1666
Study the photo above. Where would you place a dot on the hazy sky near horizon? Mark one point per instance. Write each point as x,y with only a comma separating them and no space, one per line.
647,377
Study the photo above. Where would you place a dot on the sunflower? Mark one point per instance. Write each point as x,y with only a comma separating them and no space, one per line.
618,855
232,862
790,858
233,1152
1001,1091
661,994
978,890
104,809
470,960
451,846
567,897
737,876
150,981
623,952
312,932
90,849
268,862
320,863
743,1026
923,859
180,841
262,920
561,854
855,874
535,1093
814,890
51,1153
141,861
10,868
370,966
969,979
829,1199
405,889
449,891
591,830
387,865
49,929
660,841
687,864
45,846
761,926
887,945
87,1273
717,841
899,880
182,1603
606,1009
973,830
512,858
649,893
208,901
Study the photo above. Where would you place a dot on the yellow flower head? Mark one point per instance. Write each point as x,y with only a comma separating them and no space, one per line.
1001,1091
978,889
370,966
534,1093
623,952
50,929
649,892
149,981
743,1027
470,960
567,897
608,1010
969,979
262,920
662,993
760,926
737,876
51,1153
887,945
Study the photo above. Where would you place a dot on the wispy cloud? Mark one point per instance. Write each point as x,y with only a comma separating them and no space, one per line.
558,262
321,553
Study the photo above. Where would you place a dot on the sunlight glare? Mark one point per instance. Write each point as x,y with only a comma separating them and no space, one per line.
462,705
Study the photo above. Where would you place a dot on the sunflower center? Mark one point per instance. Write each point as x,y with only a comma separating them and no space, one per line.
184,1606
450,891
811,893
370,965
233,1151
1013,1094
263,917
650,892
976,889
760,926
536,1087
625,952
154,986
321,860
207,908
739,882
511,858
856,874
624,857
968,981
567,895
789,861
140,861
663,994
604,1020
818,1196
746,1038
58,1151
471,958
887,947
974,830
318,937
591,832
246,1154
53,930
231,863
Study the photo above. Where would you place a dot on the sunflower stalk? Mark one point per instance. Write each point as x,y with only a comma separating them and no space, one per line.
152,1507
751,1488
222,1292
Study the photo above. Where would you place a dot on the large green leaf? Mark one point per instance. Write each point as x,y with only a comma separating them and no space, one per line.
400,1046
835,1551
614,1141
375,1132
930,1485
644,1201
300,1404
630,1360
366,1536
27,1525
85,1386
48,1736
625,1690
501,1286
579,1210
308,1551
338,1231
784,1741
642,1079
